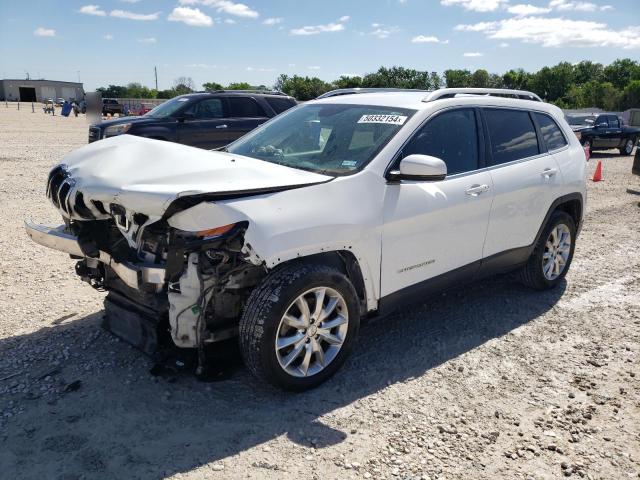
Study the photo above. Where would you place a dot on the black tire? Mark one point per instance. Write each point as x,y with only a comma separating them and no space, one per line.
628,147
265,308
531,274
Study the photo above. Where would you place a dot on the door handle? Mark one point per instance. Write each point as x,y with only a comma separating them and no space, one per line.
549,172
221,126
475,190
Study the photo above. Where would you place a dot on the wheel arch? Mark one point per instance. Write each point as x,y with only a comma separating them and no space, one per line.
344,261
572,204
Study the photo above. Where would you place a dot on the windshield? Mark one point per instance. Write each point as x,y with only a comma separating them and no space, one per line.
324,138
583,120
168,108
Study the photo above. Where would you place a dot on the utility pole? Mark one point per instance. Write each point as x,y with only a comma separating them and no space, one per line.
78,76
155,70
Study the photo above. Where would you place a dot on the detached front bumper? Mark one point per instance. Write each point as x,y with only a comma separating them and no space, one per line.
134,275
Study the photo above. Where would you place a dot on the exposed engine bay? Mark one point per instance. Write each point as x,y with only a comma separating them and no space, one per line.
207,281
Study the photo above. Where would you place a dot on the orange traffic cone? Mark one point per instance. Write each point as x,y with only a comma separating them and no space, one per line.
597,176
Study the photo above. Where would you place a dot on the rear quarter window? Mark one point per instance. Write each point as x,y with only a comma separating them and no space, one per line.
244,107
279,105
513,136
551,133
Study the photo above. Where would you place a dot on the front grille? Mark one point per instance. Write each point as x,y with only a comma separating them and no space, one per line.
62,194
94,134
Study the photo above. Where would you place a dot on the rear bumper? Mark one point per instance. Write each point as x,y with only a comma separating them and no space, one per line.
134,275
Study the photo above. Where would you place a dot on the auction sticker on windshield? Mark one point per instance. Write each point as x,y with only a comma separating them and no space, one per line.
388,119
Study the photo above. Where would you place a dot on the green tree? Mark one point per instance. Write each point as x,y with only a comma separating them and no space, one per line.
348,82
397,77
586,71
212,86
457,78
516,79
239,86
631,96
302,88
621,72
479,79
553,83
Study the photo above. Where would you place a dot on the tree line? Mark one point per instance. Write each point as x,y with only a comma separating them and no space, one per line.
573,86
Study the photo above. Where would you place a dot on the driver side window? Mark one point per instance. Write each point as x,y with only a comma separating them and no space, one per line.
452,137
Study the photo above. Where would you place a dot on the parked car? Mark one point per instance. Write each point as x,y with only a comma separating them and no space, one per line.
60,102
205,120
342,208
142,109
111,106
604,131
635,169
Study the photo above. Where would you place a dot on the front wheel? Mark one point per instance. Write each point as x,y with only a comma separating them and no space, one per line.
628,147
299,325
552,255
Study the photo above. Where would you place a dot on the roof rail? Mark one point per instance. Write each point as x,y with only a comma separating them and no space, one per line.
351,91
265,92
494,92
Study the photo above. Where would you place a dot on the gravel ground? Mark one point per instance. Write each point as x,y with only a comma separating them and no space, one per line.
494,382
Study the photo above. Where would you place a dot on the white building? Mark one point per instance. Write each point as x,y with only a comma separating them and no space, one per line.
39,90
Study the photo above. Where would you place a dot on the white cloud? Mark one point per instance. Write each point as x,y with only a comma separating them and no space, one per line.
93,10
382,31
130,1
427,39
230,21
147,40
190,16
472,54
604,8
201,65
557,32
527,9
259,69
476,5
504,45
44,32
134,16
272,21
580,6
316,29
226,6
107,36
313,67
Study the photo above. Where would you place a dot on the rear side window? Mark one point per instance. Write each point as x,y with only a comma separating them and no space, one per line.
551,132
451,136
243,107
280,104
513,136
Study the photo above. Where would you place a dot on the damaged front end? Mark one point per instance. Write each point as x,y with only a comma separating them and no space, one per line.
166,287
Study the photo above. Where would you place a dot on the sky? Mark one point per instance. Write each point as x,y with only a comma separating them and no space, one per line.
104,42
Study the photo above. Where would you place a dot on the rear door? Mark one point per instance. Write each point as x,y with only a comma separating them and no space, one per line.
204,124
245,114
526,179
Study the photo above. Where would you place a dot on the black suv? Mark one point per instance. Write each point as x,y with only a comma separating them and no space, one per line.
206,120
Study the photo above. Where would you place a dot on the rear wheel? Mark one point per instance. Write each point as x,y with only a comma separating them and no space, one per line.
299,325
552,255
628,147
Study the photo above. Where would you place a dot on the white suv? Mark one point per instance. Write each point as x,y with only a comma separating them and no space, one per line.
342,208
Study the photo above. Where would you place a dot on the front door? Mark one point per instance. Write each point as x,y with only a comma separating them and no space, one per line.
614,132
435,228
204,125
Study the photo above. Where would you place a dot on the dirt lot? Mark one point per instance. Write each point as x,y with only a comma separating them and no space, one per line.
495,381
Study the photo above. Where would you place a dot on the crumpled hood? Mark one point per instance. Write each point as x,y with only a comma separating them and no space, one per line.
145,175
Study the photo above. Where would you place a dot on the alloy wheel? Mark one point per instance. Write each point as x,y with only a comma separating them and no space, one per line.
556,252
312,332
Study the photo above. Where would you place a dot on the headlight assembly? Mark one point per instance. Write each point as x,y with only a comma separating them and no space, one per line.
117,129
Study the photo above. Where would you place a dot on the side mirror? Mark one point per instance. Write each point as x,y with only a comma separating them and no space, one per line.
421,168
